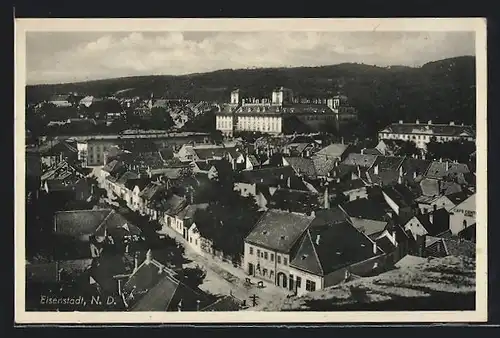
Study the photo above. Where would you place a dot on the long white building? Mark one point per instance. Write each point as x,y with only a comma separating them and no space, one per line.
422,133
273,115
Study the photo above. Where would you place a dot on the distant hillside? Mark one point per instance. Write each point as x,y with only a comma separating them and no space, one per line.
442,90
438,284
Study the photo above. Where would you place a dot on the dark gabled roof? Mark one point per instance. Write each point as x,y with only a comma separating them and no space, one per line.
384,177
140,182
468,233
400,194
385,244
369,227
279,230
204,165
327,216
387,163
172,205
364,208
253,160
371,151
150,190
270,176
79,222
225,304
154,288
293,198
117,226
297,147
208,153
129,175
349,185
323,164
105,267
189,211
302,165
458,197
414,165
223,167
430,187
429,129
440,222
335,150
326,249
166,153
342,170
360,159
113,166
441,169
68,184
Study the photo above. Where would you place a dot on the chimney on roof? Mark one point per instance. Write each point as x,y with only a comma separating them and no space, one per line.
375,247
119,287
197,305
414,174
148,257
447,165
375,170
318,237
289,182
326,198
400,121
452,123
430,122
136,261
431,218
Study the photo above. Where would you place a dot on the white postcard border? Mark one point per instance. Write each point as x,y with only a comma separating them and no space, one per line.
478,25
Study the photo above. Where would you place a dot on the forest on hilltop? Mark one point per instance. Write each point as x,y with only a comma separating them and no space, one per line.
440,91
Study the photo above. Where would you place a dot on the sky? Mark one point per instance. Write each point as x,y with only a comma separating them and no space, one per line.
57,57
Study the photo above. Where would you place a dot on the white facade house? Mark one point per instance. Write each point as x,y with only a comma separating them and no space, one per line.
422,133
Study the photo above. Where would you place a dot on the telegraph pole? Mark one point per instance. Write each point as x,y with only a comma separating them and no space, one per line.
254,298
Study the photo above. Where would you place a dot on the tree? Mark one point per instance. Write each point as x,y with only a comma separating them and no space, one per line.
407,148
160,118
456,150
193,277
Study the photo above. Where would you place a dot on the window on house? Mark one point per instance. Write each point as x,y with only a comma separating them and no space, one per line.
250,250
261,255
258,253
271,273
279,259
310,285
298,282
265,255
195,242
285,262
272,257
264,272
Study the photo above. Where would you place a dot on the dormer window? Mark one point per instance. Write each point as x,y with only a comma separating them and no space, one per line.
282,237
304,257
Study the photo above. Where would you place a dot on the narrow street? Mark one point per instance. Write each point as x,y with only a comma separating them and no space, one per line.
224,279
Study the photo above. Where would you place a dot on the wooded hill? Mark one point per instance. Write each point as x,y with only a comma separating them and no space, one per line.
440,91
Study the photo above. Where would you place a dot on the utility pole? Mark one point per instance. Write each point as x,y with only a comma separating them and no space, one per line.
254,299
